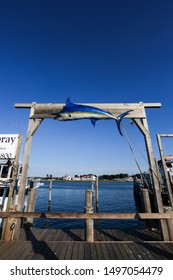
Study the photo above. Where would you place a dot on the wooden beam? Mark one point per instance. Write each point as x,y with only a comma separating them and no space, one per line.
143,126
60,105
23,180
166,135
57,215
34,127
23,105
50,110
165,169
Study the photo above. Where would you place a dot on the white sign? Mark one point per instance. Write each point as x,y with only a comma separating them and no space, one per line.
8,145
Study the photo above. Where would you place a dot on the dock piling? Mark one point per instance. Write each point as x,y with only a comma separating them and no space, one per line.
32,195
168,209
97,194
50,193
147,205
89,223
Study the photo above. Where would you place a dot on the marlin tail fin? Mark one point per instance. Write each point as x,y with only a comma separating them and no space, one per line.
119,119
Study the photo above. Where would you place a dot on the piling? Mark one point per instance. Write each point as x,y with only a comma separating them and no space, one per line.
146,205
89,223
32,195
168,209
97,194
50,193
8,230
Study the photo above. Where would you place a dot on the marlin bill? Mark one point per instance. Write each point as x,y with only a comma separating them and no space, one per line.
73,111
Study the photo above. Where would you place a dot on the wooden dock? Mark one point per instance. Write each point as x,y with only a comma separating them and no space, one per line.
69,244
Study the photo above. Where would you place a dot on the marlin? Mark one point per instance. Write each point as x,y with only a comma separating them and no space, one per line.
77,112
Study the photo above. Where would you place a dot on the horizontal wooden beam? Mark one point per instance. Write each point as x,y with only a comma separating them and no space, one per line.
55,215
165,135
50,110
23,105
29,105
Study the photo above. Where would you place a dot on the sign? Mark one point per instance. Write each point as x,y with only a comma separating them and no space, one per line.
8,145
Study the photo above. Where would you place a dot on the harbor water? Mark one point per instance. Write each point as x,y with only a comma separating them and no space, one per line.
114,197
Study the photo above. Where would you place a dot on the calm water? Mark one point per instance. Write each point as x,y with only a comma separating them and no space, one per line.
114,197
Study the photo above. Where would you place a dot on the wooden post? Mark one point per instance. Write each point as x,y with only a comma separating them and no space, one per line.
8,230
146,200
143,126
97,194
32,195
32,127
147,205
50,193
169,222
165,169
92,185
89,223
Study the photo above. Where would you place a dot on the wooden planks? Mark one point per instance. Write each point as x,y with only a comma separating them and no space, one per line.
137,235
69,244
14,250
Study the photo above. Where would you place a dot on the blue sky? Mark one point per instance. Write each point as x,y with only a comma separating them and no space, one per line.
93,52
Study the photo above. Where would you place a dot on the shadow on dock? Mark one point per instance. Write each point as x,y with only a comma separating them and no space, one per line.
77,234
70,244
40,247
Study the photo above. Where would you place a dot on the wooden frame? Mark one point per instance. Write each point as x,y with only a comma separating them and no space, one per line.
38,112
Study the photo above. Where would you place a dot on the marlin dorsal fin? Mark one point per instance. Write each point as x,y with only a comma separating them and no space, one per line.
69,103
93,121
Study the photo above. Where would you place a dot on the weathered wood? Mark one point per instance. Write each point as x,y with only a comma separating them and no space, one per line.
42,111
95,216
34,127
48,106
73,234
143,126
24,250
8,230
166,135
97,194
146,199
89,223
31,201
169,222
50,194
165,169
147,205
24,174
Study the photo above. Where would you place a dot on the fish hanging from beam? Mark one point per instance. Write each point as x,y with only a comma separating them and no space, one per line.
73,111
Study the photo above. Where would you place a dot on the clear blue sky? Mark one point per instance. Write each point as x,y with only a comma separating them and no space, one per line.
93,52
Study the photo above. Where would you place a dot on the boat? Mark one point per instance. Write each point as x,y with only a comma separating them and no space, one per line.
6,171
169,167
145,182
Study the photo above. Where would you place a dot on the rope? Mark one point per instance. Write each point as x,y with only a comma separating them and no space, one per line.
135,158
142,154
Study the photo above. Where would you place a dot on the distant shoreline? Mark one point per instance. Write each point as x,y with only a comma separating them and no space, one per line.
71,181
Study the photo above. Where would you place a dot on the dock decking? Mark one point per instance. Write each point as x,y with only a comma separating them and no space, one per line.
69,244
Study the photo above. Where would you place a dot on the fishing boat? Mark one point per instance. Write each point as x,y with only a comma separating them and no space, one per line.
145,182
169,167
5,184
